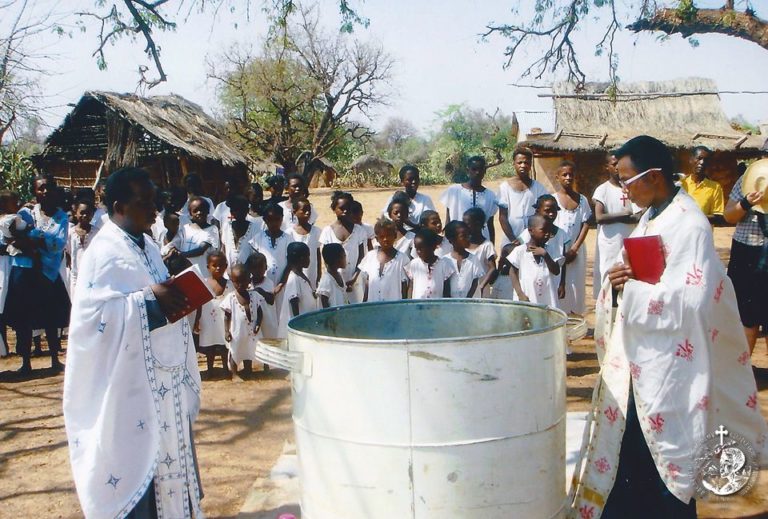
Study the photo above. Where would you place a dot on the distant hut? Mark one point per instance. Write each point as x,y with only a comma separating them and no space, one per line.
167,135
682,113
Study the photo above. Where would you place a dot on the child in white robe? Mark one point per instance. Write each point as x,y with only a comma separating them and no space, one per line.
237,231
384,266
242,320
298,296
467,269
429,275
196,238
533,271
78,239
431,220
351,236
357,214
272,242
209,319
332,291
305,231
257,268
481,247
398,213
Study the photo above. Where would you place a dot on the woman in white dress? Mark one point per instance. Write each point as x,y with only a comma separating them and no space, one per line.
573,220
351,236
460,197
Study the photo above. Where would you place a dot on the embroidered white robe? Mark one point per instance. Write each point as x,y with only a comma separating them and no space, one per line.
681,343
130,394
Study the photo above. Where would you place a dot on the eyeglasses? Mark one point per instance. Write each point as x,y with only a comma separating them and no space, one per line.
626,183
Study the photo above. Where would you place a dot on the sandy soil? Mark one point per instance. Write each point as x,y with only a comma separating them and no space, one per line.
242,426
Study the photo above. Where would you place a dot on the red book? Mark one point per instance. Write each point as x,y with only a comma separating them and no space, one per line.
646,257
192,284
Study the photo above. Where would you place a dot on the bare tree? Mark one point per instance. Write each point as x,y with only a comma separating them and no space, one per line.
142,19
302,91
555,22
20,66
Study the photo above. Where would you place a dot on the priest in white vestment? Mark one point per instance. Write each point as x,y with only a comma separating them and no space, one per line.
674,360
132,385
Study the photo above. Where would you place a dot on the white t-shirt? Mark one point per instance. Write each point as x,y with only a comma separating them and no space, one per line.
457,199
295,287
237,252
384,283
483,252
328,287
536,280
351,246
221,213
276,254
289,220
571,220
614,200
419,204
519,205
464,274
428,280
312,239
191,236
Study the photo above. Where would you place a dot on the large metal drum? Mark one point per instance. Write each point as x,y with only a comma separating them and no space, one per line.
449,409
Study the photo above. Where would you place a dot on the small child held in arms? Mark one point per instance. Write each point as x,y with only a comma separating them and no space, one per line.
305,231
265,288
171,222
429,275
12,225
78,239
534,272
332,291
384,266
467,270
242,320
209,320
501,287
481,247
298,297
431,220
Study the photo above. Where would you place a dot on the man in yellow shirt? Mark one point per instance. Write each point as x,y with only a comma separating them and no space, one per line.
707,193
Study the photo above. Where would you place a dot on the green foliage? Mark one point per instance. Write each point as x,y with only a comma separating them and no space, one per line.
16,171
686,10
740,124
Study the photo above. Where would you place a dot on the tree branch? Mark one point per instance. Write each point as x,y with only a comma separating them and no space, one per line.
728,21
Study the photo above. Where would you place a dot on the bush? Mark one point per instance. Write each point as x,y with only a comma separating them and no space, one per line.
16,171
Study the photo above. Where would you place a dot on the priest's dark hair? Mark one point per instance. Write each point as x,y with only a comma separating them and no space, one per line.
646,153
120,186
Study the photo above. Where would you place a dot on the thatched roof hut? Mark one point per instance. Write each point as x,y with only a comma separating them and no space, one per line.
167,135
682,113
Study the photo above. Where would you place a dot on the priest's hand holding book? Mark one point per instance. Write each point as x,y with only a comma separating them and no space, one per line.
620,273
171,299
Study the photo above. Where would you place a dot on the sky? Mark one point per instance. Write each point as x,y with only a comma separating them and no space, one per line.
440,59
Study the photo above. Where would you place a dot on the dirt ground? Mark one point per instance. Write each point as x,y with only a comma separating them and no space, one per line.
242,425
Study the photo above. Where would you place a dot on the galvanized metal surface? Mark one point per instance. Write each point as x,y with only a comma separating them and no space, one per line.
430,409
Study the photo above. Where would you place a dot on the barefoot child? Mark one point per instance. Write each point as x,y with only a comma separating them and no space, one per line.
331,290
209,320
305,231
467,270
480,247
298,297
534,272
242,320
257,268
429,275
78,239
384,266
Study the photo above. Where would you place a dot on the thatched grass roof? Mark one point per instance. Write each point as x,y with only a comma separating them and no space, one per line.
682,113
165,125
